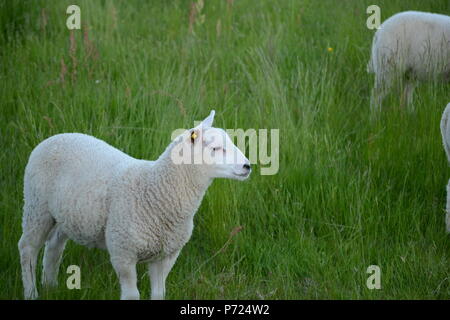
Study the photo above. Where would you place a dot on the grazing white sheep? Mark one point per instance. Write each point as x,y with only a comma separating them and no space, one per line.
410,46
78,187
445,131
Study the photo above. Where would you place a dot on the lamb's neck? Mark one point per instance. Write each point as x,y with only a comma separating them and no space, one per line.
182,185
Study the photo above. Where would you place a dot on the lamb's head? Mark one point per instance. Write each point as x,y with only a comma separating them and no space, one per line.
211,151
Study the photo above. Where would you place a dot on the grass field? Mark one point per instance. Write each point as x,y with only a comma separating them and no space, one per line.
350,192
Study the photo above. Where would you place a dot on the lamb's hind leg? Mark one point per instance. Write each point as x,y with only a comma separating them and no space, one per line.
407,96
54,248
380,89
36,225
447,216
158,271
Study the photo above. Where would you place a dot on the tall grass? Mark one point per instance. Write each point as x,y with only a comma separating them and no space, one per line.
350,192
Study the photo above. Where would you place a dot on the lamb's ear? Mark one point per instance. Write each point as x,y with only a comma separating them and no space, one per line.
207,123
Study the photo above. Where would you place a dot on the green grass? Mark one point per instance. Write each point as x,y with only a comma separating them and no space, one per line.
350,192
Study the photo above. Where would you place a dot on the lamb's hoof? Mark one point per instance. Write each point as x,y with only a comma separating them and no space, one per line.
130,296
33,295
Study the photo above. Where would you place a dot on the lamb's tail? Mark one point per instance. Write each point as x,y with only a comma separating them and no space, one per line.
445,130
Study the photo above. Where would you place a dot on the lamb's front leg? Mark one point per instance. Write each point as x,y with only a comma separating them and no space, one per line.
126,271
158,271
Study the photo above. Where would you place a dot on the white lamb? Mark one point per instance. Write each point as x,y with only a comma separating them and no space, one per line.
78,187
410,46
445,131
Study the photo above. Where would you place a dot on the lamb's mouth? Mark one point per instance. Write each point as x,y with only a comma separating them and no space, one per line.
246,174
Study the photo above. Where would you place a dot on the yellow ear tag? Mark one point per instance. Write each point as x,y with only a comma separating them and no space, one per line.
193,136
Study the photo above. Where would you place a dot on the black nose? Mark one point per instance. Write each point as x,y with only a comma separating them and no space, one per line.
246,166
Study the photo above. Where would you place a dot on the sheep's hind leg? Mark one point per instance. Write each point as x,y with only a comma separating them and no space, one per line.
447,216
158,272
380,90
408,94
54,248
36,227
126,271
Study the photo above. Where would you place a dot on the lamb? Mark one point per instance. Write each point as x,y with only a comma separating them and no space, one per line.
445,131
80,188
410,46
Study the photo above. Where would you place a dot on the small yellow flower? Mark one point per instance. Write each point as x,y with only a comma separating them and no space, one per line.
330,49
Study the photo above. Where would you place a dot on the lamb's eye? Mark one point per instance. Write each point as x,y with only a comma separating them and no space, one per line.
217,149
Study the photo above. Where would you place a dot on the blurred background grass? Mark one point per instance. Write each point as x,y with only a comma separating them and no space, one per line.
350,192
